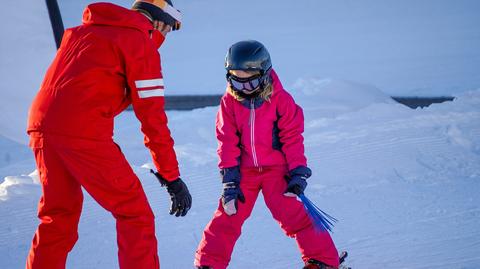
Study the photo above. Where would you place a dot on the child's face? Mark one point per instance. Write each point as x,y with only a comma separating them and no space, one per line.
245,74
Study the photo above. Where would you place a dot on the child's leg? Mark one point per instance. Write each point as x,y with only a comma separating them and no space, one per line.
293,219
222,232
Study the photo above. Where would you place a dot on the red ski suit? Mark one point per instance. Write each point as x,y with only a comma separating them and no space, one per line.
263,137
101,67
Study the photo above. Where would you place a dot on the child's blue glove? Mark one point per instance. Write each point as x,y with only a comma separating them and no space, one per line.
231,190
297,180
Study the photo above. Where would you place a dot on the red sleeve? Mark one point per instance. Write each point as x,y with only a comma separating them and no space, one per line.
145,82
227,135
291,125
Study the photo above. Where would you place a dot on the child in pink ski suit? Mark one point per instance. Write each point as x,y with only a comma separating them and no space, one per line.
259,130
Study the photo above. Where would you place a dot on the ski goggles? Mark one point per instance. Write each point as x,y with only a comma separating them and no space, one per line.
245,84
161,10
171,16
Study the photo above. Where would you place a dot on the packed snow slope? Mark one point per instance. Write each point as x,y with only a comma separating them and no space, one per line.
407,47
404,184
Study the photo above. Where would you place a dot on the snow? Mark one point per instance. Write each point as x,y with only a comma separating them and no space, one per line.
405,48
327,96
404,183
26,49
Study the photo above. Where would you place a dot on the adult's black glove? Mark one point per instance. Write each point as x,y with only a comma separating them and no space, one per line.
231,190
180,197
297,180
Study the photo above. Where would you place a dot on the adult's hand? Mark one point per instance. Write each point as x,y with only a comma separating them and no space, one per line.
181,200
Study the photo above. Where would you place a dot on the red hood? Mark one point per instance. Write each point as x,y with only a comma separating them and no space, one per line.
110,14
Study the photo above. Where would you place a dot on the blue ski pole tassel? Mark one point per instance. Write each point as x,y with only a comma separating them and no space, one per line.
321,220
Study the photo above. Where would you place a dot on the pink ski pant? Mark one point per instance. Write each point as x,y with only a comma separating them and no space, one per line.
222,232
64,166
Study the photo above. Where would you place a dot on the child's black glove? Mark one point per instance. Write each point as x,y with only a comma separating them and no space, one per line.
231,190
297,180
180,197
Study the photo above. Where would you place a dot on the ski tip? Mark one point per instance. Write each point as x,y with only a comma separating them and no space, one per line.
343,255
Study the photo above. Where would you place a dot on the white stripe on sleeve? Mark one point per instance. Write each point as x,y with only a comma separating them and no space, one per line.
149,83
151,93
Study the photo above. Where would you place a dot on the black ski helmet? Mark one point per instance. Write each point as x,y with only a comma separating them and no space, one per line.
248,55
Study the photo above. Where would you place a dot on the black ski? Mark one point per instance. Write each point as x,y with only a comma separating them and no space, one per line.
343,255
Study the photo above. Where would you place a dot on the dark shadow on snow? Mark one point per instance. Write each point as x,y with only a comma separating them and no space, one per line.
189,102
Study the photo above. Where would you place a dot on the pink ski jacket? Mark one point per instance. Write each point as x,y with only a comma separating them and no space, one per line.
258,132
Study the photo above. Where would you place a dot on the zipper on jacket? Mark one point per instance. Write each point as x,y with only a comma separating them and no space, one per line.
252,132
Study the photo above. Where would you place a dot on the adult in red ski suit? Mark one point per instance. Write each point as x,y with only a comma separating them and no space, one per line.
259,131
101,67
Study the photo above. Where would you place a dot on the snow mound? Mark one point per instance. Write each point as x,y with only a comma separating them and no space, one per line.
464,105
15,185
469,100
330,97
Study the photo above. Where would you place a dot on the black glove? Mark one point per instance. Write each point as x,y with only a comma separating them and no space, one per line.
231,190
297,180
180,197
